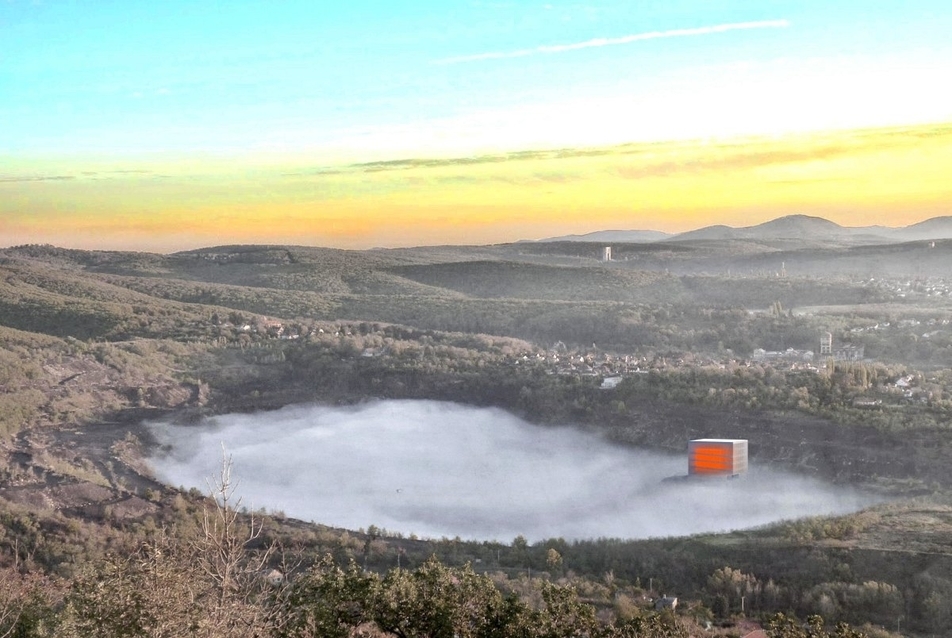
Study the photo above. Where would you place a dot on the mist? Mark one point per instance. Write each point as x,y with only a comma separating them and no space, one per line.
444,470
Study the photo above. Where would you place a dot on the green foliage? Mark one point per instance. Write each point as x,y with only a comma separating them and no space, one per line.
442,602
782,626
434,600
327,600
649,626
153,591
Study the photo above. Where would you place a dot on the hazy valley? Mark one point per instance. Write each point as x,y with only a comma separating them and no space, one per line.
715,333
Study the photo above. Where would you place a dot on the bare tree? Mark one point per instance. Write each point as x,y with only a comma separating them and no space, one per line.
12,600
213,586
234,569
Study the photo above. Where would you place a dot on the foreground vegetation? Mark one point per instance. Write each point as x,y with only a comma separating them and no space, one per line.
218,572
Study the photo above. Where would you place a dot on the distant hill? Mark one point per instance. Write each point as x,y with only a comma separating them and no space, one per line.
935,228
615,237
802,227
718,232
794,226
805,228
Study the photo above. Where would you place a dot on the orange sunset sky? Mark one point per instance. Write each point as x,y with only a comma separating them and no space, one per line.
183,125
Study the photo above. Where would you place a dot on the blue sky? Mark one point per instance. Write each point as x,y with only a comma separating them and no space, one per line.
169,125
364,80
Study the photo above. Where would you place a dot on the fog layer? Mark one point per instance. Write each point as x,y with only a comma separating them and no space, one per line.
442,469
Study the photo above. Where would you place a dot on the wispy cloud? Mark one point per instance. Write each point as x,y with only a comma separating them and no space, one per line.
35,178
627,39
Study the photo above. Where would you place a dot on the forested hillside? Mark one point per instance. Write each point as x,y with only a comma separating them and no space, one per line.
94,343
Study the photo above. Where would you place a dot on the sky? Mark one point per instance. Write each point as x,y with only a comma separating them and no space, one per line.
445,470
172,125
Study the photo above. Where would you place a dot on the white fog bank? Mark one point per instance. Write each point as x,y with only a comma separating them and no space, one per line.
443,469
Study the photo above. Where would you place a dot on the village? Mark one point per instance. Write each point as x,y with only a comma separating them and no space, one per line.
610,367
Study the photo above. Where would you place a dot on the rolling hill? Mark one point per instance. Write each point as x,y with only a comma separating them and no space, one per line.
806,228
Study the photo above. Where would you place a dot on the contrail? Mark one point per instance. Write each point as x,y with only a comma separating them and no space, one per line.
605,42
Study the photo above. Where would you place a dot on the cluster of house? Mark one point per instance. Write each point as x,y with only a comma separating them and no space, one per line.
937,326
275,329
827,351
927,287
612,368
907,387
269,327
578,364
